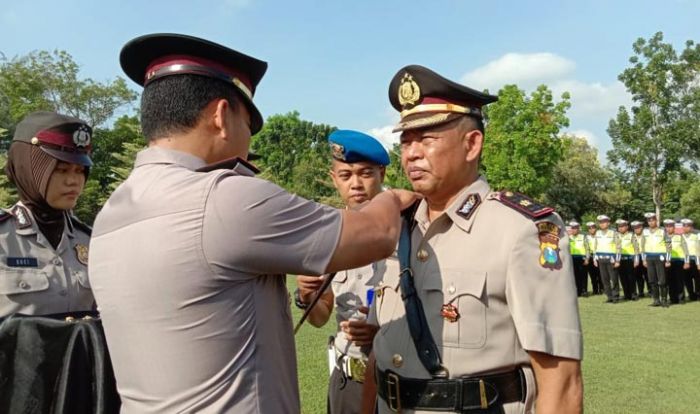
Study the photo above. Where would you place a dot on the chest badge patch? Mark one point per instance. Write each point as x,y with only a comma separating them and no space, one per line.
549,245
470,204
450,312
81,252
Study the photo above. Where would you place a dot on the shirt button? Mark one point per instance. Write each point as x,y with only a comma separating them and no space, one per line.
23,285
397,360
63,292
57,261
452,289
422,255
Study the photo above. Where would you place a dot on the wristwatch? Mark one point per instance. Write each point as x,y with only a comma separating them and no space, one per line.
297,300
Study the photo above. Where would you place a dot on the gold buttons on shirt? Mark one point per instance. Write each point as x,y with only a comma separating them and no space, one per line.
397,360
422,255
23,285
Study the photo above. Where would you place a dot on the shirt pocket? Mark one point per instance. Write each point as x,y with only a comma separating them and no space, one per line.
82,277
387,298
463,290
22,281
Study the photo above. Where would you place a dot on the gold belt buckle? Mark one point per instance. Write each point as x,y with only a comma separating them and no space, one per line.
482,395
394,398
357,369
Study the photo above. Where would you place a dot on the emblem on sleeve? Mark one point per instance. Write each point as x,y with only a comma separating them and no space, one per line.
470,204
81,252
549,245
450,312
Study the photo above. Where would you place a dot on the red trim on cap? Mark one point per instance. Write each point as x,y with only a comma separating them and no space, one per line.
60,139
431,100
169,60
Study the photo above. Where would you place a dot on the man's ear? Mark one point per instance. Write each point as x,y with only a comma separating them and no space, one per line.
382,172
220,122
473,141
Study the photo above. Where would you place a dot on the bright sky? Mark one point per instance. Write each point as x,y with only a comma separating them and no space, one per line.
332,60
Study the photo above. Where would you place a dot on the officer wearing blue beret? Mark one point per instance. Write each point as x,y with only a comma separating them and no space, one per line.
357,171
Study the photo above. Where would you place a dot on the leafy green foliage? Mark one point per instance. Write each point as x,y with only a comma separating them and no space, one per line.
296,155
660,133
522,145
44,80
395,175
578,180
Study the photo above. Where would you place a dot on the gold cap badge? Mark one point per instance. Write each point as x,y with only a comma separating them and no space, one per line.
409,91
338,151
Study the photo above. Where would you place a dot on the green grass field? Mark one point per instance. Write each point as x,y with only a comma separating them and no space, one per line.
637,359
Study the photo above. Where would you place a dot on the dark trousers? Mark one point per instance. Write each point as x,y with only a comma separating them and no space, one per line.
656,272
692,280
580,275
626,272
596,283
344,396
676,274
640,276
610,278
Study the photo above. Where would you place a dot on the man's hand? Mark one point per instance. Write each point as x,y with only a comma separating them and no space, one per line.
616,265
308,286
667,264
686,265
595,263
585,262
405,198
644,263
358,331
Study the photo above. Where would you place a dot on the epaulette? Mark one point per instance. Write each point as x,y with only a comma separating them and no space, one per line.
4,215
81,226
524,204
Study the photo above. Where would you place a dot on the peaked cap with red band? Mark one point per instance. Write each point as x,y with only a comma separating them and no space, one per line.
425,98
154,56
63,137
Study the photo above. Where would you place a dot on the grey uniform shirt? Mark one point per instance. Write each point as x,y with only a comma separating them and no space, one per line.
188,276
489,267
350,290
35,278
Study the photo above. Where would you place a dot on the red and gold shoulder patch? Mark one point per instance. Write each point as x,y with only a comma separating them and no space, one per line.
524,204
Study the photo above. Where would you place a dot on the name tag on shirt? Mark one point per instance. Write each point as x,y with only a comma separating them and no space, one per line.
22,262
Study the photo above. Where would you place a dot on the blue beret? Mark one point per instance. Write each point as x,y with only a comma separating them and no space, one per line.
352,146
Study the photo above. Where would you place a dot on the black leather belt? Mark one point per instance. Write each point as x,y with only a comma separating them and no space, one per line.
457,394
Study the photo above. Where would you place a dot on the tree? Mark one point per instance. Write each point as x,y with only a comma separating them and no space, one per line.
395,175
114,151
8,194
690,203
578,180
296,155
661,131
522,144
44,80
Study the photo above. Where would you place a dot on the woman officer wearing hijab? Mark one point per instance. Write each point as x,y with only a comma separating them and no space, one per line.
43,248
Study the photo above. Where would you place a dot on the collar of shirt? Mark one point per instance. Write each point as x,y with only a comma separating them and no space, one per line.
33,228
157,155
480,186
